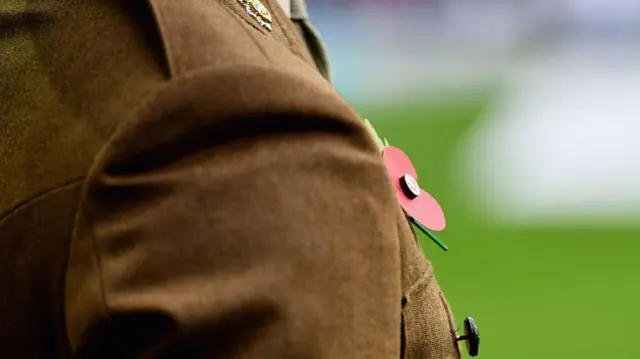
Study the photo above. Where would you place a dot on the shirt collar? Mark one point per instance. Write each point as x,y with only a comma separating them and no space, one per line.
286,6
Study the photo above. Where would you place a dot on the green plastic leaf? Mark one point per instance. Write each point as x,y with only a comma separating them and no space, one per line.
374,134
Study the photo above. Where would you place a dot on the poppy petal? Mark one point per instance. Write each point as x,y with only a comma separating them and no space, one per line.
397,163
424,209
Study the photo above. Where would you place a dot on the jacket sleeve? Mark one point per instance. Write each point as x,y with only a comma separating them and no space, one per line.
245,213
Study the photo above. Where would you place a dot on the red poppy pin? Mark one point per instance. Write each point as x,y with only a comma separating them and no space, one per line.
421,208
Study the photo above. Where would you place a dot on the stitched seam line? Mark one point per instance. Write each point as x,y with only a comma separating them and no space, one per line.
27,202
96,253
93,169
452,324
288,32
423,278
281,25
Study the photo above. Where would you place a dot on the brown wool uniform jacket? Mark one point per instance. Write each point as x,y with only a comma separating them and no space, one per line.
177,181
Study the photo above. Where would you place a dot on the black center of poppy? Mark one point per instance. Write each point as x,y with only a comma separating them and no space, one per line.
409,186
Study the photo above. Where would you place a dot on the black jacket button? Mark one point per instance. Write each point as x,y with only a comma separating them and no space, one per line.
471,336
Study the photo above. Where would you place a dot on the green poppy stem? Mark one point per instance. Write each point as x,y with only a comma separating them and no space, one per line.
431,236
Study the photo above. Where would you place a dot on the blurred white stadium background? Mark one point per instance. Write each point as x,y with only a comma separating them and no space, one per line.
560,141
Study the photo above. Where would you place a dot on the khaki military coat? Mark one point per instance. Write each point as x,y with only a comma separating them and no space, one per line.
179,181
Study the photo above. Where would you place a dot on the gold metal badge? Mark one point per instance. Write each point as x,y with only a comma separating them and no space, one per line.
258,11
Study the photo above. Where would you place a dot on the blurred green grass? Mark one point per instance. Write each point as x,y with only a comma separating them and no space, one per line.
565,292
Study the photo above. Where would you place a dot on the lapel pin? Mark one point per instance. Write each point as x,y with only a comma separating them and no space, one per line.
259,11
422,210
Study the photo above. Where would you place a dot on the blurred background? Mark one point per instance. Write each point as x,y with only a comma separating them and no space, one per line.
522,118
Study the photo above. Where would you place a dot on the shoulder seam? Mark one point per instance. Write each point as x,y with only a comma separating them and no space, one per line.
38,196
